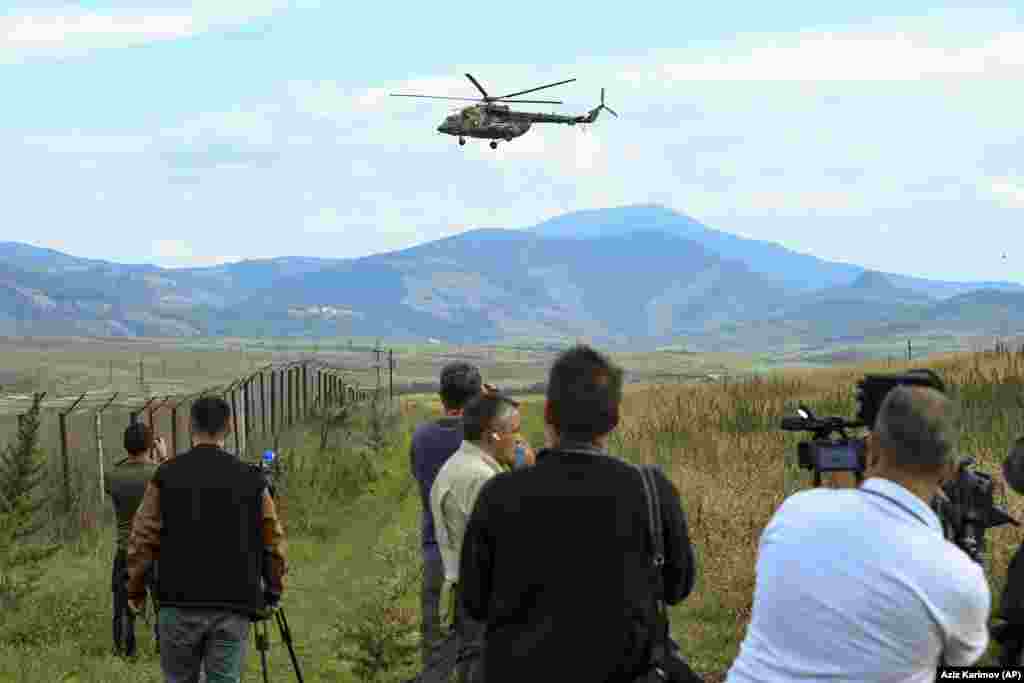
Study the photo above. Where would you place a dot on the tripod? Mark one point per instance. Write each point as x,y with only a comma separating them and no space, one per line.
263,642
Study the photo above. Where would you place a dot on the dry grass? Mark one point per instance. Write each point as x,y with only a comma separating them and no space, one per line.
721,445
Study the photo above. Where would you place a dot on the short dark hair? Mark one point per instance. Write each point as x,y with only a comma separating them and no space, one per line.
482,413
1013,466
138,438
210,415
932,377
460,381
584,392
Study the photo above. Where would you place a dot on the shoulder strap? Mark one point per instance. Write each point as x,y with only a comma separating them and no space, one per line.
654,514
659,629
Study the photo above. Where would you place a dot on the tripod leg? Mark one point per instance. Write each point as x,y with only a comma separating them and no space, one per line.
286,636
262,645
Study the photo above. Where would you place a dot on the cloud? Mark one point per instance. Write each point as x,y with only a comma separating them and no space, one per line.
180,254
61,32
1008,191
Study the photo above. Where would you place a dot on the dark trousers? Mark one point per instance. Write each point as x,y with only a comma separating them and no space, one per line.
430,607
460,651
124,620
202,645
469,645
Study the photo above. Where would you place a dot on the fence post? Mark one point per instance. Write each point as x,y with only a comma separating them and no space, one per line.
273,400
263,402
234,418
63,418
305,390
245,409
174,428
99,442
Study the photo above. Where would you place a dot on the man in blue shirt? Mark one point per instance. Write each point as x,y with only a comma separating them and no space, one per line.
432,444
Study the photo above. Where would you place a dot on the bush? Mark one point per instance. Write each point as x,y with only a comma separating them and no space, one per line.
380,639
21,472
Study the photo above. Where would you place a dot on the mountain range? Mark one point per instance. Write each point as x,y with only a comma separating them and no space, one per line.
638,276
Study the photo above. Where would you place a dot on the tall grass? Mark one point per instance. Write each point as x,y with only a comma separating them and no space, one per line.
351,513
721,445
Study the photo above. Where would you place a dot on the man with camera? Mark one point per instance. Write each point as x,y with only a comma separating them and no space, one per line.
125,483
1009,632
211,521
557,559
860,584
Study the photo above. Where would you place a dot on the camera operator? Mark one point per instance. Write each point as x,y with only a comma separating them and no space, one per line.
1010,633
125,483
860,584
213,524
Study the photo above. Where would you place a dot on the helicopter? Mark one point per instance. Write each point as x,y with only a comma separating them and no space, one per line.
491,121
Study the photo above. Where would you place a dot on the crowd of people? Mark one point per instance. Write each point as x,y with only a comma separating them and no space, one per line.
538,563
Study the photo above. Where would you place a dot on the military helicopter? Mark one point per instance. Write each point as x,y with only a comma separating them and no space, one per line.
490,121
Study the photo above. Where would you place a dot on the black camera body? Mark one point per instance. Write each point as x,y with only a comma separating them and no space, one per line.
966,507
266,468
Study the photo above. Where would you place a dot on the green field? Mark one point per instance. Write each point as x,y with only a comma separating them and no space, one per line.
351,512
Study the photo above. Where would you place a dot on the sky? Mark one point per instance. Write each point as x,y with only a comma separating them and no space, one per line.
883,134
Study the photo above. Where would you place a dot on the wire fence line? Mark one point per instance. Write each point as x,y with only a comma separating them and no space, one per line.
82,435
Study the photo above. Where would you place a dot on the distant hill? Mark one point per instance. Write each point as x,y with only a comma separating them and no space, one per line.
641,276
795,270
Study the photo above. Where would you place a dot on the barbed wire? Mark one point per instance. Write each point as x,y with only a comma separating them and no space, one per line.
137,401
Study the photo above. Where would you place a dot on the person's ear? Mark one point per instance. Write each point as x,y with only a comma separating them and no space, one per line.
549,413
872,453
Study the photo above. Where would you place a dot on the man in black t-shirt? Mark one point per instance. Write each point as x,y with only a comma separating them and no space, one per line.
556,558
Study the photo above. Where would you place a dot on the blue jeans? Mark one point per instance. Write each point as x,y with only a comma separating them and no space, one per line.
212,639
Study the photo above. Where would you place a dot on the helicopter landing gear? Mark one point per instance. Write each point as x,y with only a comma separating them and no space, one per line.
462,141
494,144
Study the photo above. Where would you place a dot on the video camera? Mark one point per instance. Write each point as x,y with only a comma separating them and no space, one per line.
966,506
267,467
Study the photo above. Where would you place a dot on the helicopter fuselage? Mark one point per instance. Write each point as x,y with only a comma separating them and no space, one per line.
492,121
498,122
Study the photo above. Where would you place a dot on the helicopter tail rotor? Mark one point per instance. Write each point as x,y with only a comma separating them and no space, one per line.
596,111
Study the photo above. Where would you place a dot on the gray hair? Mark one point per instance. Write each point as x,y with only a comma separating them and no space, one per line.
506,411
917,427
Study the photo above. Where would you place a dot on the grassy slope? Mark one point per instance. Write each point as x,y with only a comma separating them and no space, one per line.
328,564
696,432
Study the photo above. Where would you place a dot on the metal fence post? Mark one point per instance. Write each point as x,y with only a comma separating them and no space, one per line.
99,442
273,400
63,419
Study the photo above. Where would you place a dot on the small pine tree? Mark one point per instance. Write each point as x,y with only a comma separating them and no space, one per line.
21,473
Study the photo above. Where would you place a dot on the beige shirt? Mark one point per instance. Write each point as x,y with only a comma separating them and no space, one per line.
452,498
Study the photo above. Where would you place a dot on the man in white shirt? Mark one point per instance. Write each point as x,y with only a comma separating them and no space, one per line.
490,424
860,584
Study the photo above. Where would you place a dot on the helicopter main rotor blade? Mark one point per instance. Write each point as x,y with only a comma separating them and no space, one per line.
438,97
523,92
479,87
530,101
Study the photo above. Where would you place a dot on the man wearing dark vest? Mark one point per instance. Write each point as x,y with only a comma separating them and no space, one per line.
212,523
125,483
